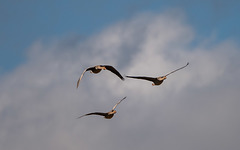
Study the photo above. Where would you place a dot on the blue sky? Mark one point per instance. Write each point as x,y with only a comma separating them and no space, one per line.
25,21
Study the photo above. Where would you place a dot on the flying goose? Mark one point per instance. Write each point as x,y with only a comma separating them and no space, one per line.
107,115
97,69
156,80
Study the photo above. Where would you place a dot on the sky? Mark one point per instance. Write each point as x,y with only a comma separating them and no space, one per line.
46,45
24,22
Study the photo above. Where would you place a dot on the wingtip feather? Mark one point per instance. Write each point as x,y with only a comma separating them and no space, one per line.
78,82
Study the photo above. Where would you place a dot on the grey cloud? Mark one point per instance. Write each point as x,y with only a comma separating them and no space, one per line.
195,108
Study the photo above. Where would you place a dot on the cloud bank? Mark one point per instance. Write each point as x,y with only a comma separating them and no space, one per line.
195,108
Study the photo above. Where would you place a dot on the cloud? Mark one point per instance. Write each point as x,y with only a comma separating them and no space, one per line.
195,108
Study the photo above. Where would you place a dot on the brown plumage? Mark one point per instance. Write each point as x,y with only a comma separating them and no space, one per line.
156,80
107,115
98,68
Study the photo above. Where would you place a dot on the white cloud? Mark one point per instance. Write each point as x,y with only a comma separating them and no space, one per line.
195,108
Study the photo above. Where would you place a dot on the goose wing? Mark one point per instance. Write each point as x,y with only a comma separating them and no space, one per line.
113,70
118,103
142,77
80,78
90,68
94,113
177,70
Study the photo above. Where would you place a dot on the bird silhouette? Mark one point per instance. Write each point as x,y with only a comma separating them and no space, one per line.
107,115
156,80
97,69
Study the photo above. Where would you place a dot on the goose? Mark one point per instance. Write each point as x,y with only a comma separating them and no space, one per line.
107,115
97,69
156,80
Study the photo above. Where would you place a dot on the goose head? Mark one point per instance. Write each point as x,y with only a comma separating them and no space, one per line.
112,112
162,78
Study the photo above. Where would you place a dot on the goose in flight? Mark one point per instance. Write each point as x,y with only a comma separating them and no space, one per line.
107,115
156,80
97,69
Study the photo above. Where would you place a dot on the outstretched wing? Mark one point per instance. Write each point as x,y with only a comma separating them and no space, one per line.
80,78
113,70
90,68
144,78
177,69
118,103
95,113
